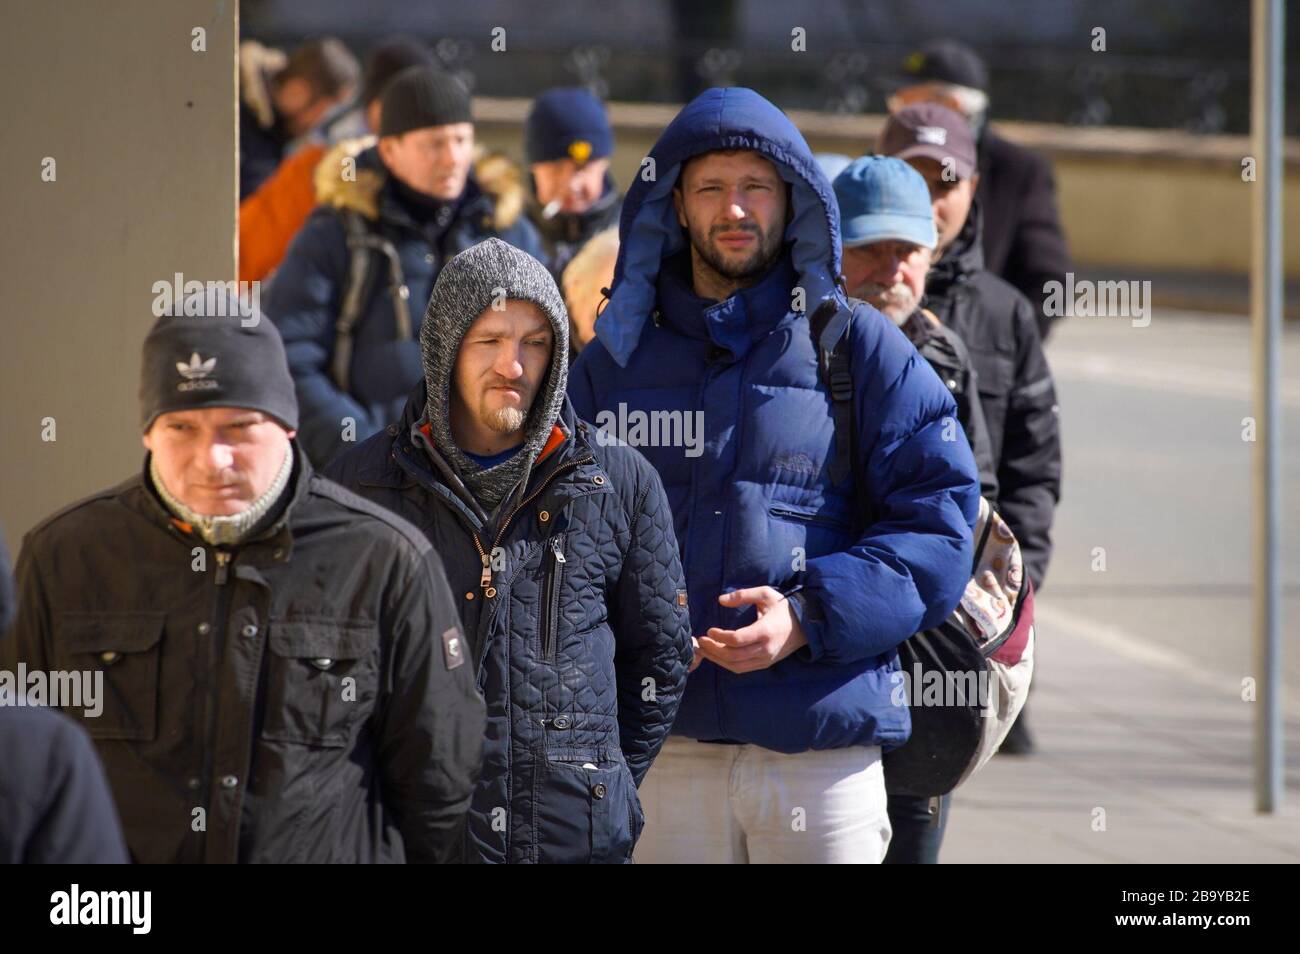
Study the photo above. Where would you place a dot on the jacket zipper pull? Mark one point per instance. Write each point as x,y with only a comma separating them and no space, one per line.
485,581
558,550
223,565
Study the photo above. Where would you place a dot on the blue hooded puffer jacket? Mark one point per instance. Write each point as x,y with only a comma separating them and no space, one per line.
752,499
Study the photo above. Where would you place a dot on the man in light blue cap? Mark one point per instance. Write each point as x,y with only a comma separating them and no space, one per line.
887,227
888,233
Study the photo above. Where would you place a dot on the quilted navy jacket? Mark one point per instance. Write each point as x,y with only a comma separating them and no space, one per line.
581,644
753,502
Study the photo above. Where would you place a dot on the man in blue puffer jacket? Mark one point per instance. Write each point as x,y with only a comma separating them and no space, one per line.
705,360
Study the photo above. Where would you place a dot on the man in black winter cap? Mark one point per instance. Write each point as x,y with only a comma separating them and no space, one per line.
349,294
1022,238
283,668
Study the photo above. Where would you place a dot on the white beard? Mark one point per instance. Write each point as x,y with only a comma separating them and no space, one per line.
896,301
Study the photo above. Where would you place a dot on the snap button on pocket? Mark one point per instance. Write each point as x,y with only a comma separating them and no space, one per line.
323,679
543,516
229,781
598,790
249,631
598,480
109,657
204,629
561,722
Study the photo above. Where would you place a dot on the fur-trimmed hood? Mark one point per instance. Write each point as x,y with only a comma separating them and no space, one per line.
499,178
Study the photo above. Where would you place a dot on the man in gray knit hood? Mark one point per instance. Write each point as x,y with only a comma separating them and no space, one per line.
562,558
490,410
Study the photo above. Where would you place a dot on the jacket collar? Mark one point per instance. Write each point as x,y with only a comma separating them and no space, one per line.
963,258
145,502
408,462
738,321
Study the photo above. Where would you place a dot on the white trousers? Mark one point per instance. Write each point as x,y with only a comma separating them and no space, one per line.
709,803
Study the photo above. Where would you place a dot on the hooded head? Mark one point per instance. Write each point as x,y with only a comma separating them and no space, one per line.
649,232
491,379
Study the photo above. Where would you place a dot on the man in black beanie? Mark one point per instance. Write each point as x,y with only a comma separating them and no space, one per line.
389,217
282,666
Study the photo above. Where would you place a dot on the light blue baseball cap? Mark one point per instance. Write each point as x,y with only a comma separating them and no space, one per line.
882,198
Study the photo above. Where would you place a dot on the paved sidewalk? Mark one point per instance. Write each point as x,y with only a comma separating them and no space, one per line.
1160,744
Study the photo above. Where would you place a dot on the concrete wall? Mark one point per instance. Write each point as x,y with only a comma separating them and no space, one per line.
142,130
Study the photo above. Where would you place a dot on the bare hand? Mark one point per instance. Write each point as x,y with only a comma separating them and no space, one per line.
769,639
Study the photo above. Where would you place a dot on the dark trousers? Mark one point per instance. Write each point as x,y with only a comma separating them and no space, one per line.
917,836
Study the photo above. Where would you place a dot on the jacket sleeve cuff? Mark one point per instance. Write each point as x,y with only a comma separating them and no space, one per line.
808,610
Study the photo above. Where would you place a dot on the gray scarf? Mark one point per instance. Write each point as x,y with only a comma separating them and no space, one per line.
468,285
226,531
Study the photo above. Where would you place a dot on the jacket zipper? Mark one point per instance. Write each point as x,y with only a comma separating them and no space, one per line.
215,636
485,580
551,597
807,517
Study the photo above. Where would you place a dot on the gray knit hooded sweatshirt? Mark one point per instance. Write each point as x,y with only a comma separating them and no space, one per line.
467,286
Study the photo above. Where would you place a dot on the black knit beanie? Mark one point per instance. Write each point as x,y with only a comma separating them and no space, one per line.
423,96
215,349
386,60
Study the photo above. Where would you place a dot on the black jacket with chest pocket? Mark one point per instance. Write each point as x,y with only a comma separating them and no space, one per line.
581,639
300,698
1017,393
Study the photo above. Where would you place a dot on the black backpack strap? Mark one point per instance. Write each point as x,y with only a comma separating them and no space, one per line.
830,325
362,244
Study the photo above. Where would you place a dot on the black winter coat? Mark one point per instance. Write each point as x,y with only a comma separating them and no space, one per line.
581,636
998,326
1023,241
943,349
306,690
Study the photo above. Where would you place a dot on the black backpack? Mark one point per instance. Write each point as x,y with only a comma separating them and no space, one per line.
984,645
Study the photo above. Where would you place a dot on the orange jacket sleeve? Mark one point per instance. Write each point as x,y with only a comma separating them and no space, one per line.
272,216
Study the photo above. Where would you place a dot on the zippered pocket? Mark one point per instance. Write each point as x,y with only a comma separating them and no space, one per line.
802,516
551,588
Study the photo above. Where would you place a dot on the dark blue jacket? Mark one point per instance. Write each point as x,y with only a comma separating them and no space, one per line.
581,645
305,296
756,505
55,807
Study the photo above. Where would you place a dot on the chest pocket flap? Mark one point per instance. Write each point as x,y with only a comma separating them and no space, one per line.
322,681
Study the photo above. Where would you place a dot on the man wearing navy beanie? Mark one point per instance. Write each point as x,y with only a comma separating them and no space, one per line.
568,142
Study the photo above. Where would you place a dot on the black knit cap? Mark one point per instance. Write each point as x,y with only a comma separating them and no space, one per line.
388,58
423,96
215,349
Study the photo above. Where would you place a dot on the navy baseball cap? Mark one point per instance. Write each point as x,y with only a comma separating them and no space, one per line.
881,199
567,122
946,61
